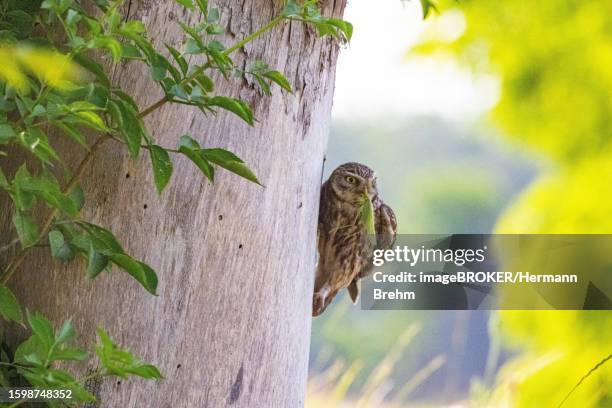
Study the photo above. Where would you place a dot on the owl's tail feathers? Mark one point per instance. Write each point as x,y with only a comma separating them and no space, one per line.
353,290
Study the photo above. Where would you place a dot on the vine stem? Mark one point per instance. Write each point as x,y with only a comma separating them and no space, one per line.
9,245
18,259
163,100
254,35
153,107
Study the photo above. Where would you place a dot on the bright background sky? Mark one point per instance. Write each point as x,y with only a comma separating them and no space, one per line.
375,77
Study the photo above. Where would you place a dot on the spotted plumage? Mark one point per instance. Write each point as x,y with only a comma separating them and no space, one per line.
345,249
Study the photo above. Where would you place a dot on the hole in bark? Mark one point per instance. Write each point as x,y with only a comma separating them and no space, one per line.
220,217
118,382
127,175
236,388
178,366
240,246
145,206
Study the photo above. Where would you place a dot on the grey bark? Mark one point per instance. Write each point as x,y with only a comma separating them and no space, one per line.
231,324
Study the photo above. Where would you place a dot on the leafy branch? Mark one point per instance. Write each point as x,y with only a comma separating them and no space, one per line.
36,358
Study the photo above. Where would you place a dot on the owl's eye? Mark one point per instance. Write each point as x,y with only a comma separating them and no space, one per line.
350,179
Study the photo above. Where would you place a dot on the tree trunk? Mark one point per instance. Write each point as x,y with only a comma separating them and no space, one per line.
231,324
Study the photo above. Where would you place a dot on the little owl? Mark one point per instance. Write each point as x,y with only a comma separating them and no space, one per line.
345,249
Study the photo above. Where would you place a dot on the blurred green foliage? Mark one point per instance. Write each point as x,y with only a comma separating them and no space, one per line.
554,61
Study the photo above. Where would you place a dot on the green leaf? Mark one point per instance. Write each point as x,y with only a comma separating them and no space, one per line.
79,106
213,15
27,230
93,67
126,98
186,3
222,61
233,105
96,263
147,371
231,162
130,128
66,333
203,5
42,329
263,84
279,79
30,350
199,44
115,113
292,8
215,29
6,133
103,240
191,149
194,47
89,119
77,196
69,354
205,82
366,212
60,249
23,200
53,378
110,44
138,270
72,132
128,51
37,142
428,6
38,111
121,362
158,66
3,181
344,26
47,188
133,27
178,58
179,92
9,306
162,167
